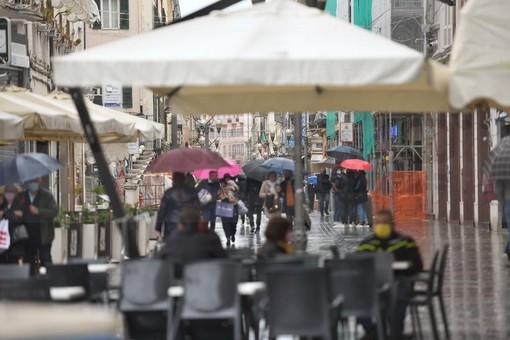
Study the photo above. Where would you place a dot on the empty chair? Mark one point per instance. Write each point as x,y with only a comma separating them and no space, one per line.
144,299
32,289
301,303
14,271
355,279
424,296
69,275
210,293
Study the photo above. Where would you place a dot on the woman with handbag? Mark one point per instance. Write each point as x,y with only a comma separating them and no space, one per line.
269,192
229,193
10,210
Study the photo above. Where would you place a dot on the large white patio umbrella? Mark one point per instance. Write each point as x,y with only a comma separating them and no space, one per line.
11,127
45,120
280,56
480,60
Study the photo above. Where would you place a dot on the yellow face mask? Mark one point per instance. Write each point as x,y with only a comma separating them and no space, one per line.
382,230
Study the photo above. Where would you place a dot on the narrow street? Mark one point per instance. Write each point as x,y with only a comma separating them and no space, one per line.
477,280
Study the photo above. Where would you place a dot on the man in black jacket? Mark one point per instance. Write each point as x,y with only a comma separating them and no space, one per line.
324,188
254,203
403,248
188,244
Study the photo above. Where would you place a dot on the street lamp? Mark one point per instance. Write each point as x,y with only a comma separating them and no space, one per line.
201,140
219,123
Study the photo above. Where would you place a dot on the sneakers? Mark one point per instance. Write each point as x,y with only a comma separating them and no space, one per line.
233,239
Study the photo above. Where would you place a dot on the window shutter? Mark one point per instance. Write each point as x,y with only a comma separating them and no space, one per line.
97,24
127,97
124,15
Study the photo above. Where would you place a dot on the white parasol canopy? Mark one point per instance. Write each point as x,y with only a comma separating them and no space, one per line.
11,127
278,56
480,60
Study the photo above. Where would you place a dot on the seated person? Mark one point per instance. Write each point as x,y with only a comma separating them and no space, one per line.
188,244
278,238
403,248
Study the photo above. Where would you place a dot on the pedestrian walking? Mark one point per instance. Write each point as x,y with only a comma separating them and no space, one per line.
311,190
347,182
337,196
39,208
360,197
174,200
255,203
278,238
403,248
10,209
287,191
243,196
229,193
269,193
323,192
208,195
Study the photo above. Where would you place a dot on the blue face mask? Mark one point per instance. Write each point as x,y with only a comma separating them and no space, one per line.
33,186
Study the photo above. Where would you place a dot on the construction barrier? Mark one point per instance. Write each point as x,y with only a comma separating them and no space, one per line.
409,195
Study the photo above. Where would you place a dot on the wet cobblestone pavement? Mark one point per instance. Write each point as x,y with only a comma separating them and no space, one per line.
477,279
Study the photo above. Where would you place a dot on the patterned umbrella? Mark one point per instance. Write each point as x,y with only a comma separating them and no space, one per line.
187,159
497,164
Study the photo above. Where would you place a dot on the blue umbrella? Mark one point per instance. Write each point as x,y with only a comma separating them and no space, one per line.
279,164
27,166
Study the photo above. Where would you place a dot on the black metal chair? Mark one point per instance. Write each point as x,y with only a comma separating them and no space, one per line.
69,275
34,289
210,293
355,279
14,271
301,303
433,288
283,261
144,299
98,281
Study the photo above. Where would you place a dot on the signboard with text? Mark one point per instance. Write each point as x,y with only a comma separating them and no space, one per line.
112,96
346,132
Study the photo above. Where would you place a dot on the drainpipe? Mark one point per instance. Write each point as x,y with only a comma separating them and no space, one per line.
461,168
448,169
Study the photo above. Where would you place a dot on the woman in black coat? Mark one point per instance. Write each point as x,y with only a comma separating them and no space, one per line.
361,197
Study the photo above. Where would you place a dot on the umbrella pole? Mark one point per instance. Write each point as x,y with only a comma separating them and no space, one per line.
128,228
300,240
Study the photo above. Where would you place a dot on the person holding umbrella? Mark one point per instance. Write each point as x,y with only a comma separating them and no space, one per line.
360,197
174,200
229,193
10,210
39,208
269,192
324,189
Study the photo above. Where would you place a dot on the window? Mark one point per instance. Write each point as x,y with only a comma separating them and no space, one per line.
114,14
127,97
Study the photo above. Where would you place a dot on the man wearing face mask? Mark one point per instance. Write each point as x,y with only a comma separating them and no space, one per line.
39,209
403,248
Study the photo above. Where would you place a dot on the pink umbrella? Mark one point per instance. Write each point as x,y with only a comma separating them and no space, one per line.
187,159
232,169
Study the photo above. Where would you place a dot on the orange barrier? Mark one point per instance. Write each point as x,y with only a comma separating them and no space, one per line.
409,195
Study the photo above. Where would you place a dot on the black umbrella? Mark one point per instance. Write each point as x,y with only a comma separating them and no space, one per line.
27,166
497,164
343,152
254,170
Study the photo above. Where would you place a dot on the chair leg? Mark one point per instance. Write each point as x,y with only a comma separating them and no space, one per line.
443,314
433,321
413,323
418,322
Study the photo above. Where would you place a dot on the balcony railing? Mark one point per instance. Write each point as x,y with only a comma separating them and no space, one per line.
407,4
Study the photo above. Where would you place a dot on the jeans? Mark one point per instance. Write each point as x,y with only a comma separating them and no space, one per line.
323,202
507,216
362,215
209,214
338,206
